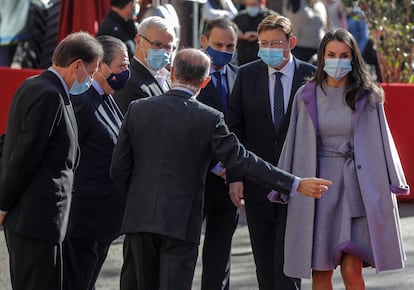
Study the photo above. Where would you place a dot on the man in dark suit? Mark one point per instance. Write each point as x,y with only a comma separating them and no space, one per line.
120,23
38,162
253,115
155,42
219,41
95,216
159,166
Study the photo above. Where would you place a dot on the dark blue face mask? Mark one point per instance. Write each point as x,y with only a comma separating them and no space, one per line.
119,81
219,58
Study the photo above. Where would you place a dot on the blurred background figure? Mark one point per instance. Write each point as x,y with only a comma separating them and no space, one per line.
357,25
14,28
336,13
121,23
310,22
247,21
217,8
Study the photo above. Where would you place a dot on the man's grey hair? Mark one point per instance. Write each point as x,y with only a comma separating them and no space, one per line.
110,46
158,23
191,66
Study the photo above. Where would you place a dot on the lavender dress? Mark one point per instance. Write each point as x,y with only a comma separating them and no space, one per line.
340,220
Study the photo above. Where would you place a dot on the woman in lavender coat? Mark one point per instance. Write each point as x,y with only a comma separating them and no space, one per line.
338,131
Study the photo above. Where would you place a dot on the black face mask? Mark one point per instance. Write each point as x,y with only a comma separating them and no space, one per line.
119,81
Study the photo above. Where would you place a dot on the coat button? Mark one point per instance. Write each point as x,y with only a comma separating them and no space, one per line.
359,167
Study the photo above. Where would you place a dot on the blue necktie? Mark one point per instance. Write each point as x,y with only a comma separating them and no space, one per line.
221,90
278,102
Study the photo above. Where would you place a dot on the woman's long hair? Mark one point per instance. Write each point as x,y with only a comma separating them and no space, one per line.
359,81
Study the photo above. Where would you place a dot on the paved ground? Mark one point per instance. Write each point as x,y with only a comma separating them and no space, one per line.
243,271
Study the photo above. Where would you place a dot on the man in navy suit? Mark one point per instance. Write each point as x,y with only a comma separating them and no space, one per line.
251,116
155,42
39,159
159,167
219,41
95,216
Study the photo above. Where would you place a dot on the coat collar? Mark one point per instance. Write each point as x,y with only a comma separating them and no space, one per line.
309,98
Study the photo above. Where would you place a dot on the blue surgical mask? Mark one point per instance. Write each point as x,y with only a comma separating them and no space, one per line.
79,88
253,11
337,68
219,58
271,56
137,8
157,58
120,80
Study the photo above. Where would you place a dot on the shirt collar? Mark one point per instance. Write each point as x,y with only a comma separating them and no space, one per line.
163,71
65,86
98,87
288,69
221,70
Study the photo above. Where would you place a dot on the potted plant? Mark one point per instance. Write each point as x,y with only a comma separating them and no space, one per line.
391,24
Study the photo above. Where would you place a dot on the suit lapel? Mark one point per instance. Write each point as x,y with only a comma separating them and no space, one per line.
66,100
262,81
98,102
153,89
231,78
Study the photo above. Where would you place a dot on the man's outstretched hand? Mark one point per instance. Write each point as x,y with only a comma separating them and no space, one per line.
313,187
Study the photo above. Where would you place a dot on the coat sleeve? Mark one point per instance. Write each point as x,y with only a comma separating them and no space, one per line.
397,181
122,162
227,148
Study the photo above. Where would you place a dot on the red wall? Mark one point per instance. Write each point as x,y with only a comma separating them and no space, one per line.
10,79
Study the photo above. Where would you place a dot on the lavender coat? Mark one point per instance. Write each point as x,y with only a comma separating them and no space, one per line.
379,173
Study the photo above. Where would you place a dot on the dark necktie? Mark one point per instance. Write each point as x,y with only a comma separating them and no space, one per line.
278,102
221,90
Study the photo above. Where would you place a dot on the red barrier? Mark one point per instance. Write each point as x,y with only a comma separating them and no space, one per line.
10,80
399,108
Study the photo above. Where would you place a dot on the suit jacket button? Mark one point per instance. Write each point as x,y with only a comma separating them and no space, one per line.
359,166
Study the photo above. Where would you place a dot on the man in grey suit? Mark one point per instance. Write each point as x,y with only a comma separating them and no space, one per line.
40,155
159,167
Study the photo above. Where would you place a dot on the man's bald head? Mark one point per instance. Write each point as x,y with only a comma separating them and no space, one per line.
191,66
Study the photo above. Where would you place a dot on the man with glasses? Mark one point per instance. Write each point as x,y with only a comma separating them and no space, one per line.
259,112
155,43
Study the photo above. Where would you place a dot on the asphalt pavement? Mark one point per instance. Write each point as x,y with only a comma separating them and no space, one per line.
243,270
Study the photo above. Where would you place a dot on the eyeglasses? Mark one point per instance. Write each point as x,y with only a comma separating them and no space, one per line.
274,43
159,45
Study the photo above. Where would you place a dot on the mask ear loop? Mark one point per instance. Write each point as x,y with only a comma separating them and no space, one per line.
88,77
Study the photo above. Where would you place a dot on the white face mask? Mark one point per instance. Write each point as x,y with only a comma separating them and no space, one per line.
253,11
337,68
